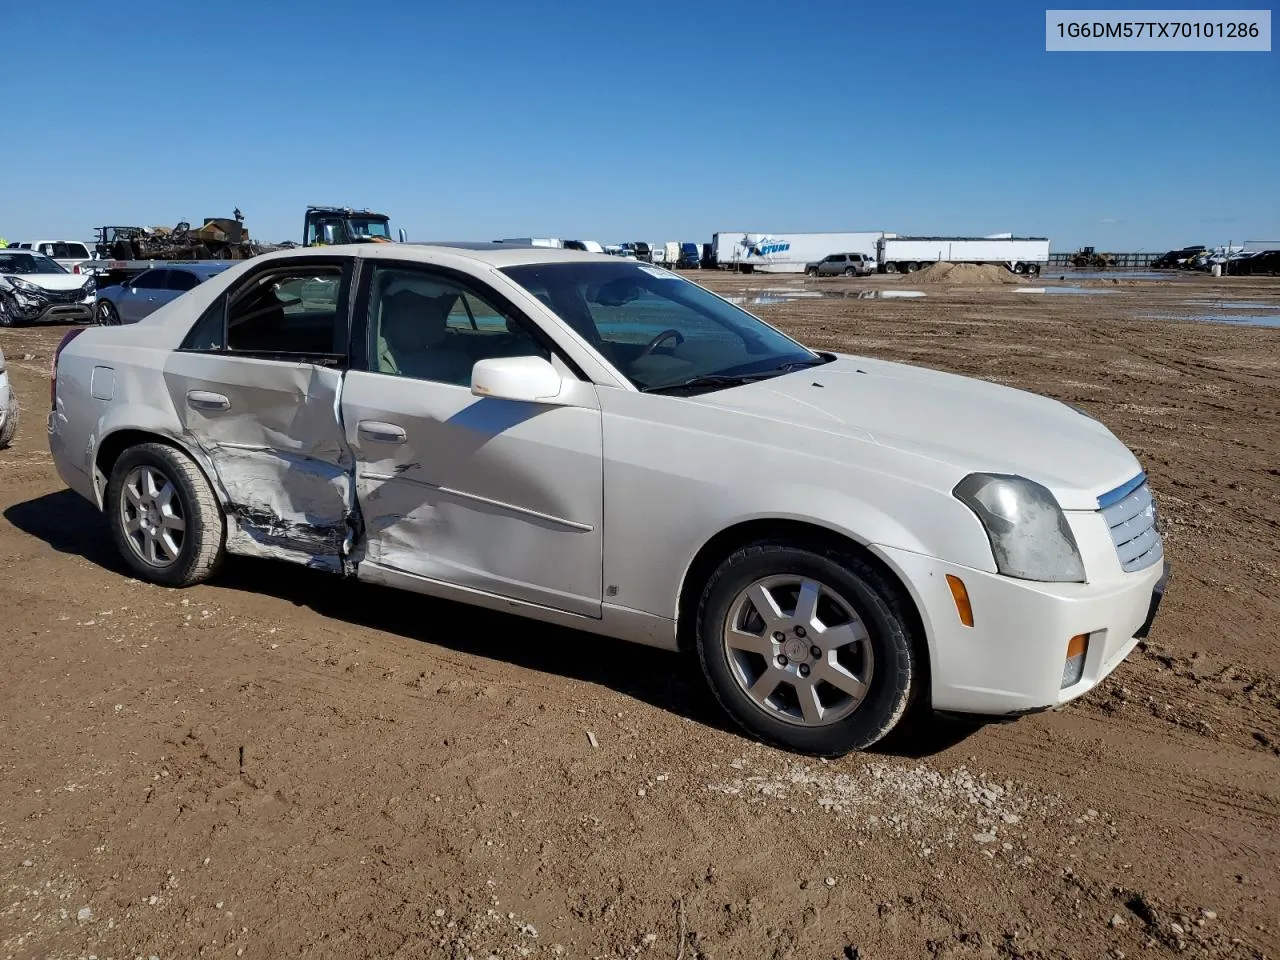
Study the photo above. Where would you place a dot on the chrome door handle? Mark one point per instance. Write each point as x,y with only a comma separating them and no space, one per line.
381,432
204,400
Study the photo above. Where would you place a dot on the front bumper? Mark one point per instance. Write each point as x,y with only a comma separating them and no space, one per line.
47,306
1011,660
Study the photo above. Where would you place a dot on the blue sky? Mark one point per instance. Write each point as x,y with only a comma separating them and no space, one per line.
616,122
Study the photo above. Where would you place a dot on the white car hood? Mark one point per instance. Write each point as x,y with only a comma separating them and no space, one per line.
52,281
969,424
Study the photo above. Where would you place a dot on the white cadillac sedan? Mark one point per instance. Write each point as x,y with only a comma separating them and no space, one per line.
603,444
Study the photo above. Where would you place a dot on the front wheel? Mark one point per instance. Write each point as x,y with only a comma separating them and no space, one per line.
164,517
850,272
806,648
812,271
105,314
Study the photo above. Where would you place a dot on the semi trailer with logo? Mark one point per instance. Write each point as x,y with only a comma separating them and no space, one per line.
787,252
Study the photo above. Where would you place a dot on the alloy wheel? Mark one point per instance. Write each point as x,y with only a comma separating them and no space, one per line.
798,650
152,517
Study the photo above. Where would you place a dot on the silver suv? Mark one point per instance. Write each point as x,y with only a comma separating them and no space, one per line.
848,264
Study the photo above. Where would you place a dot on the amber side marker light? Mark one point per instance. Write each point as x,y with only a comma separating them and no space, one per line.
961,597
1073,667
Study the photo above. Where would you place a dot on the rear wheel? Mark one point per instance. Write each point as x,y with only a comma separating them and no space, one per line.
850,272
164,517
806,648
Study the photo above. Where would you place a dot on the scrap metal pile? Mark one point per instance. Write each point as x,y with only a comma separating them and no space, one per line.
219,238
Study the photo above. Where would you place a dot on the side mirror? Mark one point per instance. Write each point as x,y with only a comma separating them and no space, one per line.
404,237
526,379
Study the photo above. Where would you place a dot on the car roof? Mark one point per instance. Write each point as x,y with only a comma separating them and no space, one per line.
488,253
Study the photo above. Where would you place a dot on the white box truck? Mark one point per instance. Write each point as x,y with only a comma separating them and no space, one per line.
787,252
908,254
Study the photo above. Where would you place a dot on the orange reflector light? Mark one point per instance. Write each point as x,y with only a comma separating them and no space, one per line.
961,597
1073,667
1077,646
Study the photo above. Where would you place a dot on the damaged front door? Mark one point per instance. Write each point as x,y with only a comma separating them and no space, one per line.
256,388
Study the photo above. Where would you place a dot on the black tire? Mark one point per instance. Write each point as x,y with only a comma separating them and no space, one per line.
812,271
891,268
850,272
9,423
201,549
897,674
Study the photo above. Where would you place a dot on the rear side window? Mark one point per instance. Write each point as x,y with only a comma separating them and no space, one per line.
296,311
182,280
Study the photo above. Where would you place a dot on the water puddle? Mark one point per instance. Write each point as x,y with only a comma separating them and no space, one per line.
765,297
1243,319
1075,290
1108,274
1233,304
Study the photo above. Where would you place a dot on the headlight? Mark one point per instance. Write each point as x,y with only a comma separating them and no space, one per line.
1028,531
90,287
24,285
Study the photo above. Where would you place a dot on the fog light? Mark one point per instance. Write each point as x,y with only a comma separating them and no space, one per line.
961,596
1073,669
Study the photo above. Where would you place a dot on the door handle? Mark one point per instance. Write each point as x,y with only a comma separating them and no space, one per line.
381,432
204,400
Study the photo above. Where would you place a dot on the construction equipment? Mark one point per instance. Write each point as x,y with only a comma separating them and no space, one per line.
329,226
219,238
1086,258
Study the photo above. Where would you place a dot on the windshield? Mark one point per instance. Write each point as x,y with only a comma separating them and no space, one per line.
369,228
656,328
11,262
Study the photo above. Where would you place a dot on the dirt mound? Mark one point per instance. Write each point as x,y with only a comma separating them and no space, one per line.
965,274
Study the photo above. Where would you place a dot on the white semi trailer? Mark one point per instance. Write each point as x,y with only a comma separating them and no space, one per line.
787,252
908,254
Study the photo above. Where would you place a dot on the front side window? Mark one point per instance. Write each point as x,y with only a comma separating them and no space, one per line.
149,280
431,327
658,329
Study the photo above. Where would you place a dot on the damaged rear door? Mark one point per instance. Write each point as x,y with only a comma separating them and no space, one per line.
256,386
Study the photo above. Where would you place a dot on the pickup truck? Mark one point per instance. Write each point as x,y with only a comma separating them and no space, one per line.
70,253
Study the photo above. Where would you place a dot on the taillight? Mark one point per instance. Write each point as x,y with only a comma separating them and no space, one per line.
76,268
53,367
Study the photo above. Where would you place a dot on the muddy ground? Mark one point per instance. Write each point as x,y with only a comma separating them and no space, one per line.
279,764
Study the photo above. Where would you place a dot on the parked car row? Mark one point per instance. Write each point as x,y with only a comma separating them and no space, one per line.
35,288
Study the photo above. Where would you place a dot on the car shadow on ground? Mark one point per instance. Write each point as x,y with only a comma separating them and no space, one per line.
666,680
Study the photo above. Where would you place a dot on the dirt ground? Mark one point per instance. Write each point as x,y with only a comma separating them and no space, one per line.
279,764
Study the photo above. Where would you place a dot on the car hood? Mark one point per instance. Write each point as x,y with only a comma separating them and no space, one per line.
53,281
971,425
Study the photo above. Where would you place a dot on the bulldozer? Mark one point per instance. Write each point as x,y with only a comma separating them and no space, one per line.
1087,258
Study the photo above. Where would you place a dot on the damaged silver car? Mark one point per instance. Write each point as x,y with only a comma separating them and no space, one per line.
37,289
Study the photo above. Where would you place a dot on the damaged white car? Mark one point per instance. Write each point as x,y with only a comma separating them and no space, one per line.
37,289
603,444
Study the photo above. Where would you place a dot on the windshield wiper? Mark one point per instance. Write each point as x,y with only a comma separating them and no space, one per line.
800,364
707,380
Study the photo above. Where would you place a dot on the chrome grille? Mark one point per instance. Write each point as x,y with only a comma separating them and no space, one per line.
1130,512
